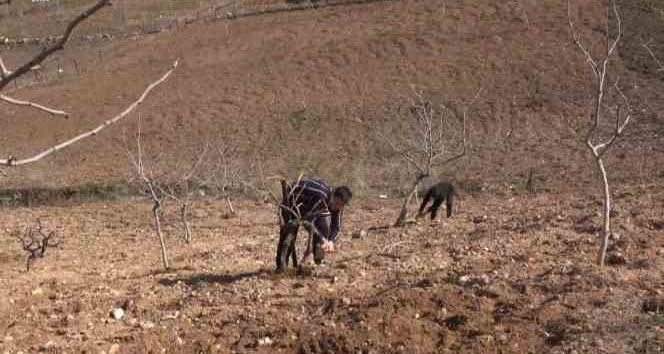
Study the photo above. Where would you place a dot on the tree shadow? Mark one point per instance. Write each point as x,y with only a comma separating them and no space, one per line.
212,278
381,228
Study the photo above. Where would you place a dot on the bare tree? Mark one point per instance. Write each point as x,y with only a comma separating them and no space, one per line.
7,76
597,143
427,142
179,187
35,241
161,183
223,172
149,180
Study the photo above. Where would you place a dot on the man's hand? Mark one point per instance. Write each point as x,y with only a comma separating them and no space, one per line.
328,246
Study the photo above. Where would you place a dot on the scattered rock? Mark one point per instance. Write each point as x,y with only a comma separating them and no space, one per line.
117,313
346,301
37,292
360,234
265,342
50,344
115,348
146,324
171,316
481,280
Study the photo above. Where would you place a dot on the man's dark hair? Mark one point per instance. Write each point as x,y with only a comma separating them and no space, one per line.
342,194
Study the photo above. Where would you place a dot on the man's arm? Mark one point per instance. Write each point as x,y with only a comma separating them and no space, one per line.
322,227
335,224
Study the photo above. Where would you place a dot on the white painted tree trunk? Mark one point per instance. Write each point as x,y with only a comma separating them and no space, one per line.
185,222
606,215
229,202
157,221
404,206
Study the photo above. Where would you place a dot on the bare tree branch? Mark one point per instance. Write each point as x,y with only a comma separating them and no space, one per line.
600,70
3,69
660,65
33,105
464,129
614,44
12,161
55,47
602,148
576,37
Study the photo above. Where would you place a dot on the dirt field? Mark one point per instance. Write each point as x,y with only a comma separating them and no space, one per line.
509,273
504,275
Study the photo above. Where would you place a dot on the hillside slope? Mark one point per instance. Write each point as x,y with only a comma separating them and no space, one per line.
288,89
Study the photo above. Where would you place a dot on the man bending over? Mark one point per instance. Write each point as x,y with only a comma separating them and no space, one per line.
319,208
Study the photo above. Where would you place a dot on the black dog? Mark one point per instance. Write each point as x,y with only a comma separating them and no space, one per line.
440,192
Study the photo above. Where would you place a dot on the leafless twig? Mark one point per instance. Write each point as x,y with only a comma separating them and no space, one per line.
660,65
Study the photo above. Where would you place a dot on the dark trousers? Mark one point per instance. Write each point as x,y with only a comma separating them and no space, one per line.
288,235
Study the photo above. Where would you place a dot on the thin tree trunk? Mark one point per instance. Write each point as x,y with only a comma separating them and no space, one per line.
606,217
404,207
157,221
185,221
230,204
